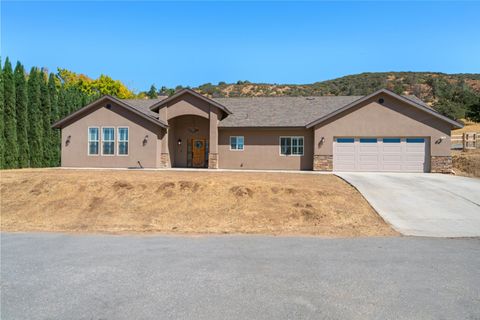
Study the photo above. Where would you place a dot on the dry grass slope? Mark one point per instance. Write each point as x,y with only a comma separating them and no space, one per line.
467,163
185,202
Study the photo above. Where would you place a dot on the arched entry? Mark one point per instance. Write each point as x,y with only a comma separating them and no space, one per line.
189,141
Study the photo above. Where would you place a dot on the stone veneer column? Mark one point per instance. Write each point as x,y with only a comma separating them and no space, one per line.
164,155
164,151
322,162
213,139
441,164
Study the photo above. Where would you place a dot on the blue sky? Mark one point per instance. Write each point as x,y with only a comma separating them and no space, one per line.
191,43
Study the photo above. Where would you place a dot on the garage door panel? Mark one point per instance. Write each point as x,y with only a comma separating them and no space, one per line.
346,149
414,157
364,158
388,148
367,149
346,158
392,167
380,154
415,149
392,158
368,167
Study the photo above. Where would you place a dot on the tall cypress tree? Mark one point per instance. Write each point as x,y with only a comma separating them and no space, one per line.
45,116
2,138
35,128
55,134
62,109
10,116
22,115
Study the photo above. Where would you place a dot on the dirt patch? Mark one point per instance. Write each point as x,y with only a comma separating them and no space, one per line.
185,202
118,185
240,191
166,186
189,186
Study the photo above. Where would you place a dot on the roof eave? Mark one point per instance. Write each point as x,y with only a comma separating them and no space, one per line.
59,124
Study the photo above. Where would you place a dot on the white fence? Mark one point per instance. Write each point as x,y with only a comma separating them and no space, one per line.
467,140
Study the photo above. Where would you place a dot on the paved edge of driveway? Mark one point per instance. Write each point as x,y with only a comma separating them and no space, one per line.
371,206
404,227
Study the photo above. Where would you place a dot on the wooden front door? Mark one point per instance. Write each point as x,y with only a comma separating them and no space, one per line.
198,153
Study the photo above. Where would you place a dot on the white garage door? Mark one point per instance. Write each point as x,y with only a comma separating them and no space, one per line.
380,154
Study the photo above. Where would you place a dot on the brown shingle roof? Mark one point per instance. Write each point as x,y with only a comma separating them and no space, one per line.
143,105
279,111
269,111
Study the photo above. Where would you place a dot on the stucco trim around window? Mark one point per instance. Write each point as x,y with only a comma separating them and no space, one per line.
292,138
119,140
108,141
97,141
239,146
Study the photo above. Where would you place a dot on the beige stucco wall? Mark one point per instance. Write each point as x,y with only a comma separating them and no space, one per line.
183,105
393,118
75,154
262,151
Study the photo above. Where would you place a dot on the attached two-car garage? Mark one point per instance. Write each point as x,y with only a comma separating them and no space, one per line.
392,154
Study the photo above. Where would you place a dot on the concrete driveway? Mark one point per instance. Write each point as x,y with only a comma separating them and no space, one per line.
56,276
434,205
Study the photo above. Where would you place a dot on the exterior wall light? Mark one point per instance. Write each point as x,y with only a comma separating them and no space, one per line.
439,140
145,140
179,142
320,143
67,142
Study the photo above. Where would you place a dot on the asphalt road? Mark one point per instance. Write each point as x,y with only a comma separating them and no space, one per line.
55,276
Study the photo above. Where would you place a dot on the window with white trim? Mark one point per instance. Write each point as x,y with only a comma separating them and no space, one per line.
122,141
291,146
93,141
108,141
236,143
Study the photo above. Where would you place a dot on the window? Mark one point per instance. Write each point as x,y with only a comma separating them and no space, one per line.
368,140
236,143
93,140
108,141
345,140
122,141
415,140
391,140
291,146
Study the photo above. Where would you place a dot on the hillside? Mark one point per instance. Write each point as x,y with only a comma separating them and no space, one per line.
421,84
455,95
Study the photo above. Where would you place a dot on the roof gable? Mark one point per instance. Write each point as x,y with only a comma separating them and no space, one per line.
83,111
409,101
160,104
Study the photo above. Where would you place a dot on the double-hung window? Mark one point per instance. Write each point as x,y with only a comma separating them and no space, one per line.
108,141
236,143
122,141
93,141
291,146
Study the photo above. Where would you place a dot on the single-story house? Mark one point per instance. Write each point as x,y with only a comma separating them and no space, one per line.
382,131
